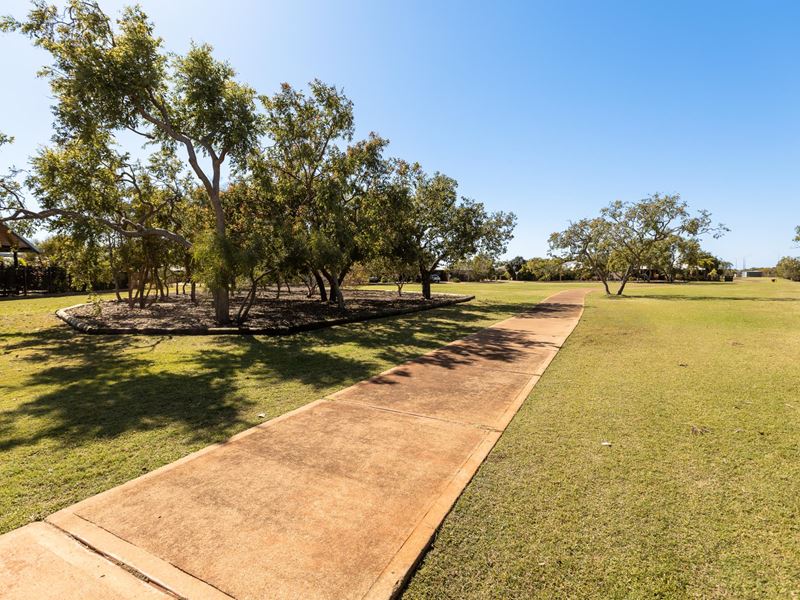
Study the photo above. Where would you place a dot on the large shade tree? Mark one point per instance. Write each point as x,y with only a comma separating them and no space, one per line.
333,191
640,230
109,77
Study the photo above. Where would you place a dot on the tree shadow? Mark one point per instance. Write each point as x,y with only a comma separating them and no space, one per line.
104,386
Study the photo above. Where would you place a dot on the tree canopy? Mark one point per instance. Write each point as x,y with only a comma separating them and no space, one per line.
235,189
658,231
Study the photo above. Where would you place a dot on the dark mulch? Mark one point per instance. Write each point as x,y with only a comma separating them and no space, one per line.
291,312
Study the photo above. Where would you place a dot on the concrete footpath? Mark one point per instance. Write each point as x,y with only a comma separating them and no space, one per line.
337,499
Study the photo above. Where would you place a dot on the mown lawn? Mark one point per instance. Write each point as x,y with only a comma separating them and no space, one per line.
697,388
80,414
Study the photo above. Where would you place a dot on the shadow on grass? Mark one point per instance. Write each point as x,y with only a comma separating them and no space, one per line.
104,386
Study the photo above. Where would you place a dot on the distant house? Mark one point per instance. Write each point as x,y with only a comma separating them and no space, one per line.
12,244
13,277
752,273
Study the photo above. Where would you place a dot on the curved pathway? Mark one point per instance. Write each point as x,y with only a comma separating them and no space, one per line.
337,499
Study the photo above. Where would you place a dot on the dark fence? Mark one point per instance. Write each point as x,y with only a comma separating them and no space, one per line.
32,279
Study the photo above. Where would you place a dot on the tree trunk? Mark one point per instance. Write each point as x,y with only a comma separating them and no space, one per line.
323,294
336,291
142,283
426,283
159,285
116,286
114,271
130,290
344,273
624,282
244,309
221,305
605,285
222,295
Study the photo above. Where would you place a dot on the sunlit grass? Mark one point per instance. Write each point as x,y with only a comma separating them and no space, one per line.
697,388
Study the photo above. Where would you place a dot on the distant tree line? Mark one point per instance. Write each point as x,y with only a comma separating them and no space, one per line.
239,189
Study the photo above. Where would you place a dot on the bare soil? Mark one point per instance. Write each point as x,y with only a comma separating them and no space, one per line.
292,310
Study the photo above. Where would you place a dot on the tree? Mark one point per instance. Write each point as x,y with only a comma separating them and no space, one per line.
440,227
332,194
397,268
109,78
541,269
513,266
589,244
640,229
474,268
788,268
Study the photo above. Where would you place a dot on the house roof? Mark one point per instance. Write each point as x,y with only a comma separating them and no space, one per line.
10,242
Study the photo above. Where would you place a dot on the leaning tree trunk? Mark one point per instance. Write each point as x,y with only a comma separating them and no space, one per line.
605,285
624,282
343,274
323,294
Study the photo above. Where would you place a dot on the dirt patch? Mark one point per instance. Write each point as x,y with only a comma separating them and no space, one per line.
290,313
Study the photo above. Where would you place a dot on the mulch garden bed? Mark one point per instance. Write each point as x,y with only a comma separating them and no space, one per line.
291,313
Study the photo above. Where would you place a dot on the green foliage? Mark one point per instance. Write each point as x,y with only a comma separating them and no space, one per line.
437,227
475,268
306,199
658,232
540,269
513,266
789,268
86,260
215,258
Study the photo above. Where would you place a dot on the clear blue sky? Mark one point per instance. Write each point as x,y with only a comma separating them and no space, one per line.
550,109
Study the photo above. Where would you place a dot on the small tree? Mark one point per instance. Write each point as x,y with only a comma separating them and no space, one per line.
513,266
587,243
639,230
441,228
398,269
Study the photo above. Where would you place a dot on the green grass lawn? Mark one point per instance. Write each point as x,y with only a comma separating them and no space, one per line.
697,387
80,414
